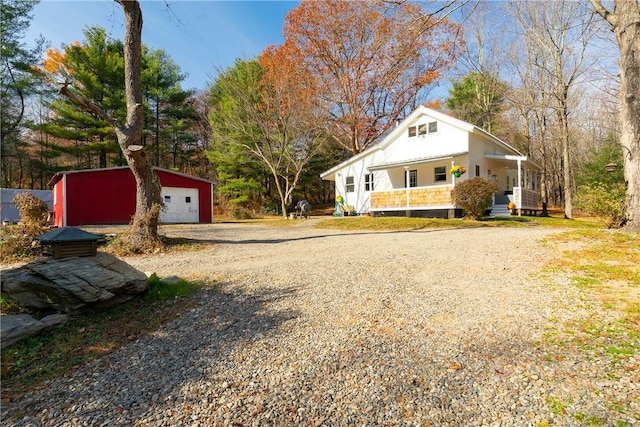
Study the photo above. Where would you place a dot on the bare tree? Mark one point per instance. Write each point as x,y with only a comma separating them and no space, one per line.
625,23
561,31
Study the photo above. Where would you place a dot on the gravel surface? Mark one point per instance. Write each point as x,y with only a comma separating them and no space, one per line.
318,327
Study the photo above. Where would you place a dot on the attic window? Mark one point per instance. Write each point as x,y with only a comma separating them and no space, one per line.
433,127
412,131
422,129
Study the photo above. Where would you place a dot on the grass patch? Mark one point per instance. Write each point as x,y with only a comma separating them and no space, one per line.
405,223
604,265
55,352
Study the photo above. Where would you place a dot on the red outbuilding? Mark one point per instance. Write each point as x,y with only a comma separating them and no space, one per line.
108,196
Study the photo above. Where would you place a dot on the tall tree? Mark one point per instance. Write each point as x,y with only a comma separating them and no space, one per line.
169,108
16,83
265,109
561,31
478,99
625,23
97,69
143,231
371,62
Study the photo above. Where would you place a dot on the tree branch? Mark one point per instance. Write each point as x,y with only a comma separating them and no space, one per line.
87,105
611,18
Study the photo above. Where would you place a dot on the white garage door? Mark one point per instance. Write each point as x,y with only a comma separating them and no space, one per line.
180,205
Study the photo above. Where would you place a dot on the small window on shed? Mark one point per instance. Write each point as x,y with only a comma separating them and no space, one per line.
187,199
350,186
422,129
433,127
167,199
412,131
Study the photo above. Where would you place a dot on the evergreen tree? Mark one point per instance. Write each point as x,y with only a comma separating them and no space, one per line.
17,82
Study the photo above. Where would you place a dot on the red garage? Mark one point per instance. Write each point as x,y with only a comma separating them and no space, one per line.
108,196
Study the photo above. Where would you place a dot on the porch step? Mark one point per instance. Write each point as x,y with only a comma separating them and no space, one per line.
500,211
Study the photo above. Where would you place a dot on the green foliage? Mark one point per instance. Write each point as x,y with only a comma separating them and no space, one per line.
606,202
162,291
17,82
96,70
241,176
477,98
594,169
474,196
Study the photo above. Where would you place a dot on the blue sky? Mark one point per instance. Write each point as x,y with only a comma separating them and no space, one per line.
201,36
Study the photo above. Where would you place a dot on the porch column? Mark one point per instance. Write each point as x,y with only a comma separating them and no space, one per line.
520,185
408,184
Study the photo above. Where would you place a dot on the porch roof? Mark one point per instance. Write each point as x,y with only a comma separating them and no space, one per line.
525,159
409,162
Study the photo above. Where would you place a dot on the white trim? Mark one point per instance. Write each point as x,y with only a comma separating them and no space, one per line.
64,200
414,208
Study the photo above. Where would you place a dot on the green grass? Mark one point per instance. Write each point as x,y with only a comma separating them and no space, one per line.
404,223
54,352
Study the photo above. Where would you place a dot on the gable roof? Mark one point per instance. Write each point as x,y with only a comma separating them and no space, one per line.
58,176
404,125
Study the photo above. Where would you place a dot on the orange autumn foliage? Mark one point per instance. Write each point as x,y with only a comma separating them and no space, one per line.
368,62
54,61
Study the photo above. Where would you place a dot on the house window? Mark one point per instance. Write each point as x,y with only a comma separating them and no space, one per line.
187,199
422,129
368,182
433,127
440,174
413,178
412,131
350,185
477,170
167,199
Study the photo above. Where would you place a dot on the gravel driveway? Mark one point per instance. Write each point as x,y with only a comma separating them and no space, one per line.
318,327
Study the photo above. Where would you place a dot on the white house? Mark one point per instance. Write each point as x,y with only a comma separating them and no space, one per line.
408,172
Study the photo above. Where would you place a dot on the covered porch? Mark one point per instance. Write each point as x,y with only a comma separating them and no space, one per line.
518,181
420,188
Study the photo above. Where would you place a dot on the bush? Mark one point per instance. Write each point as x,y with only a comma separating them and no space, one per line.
474,196
33,211
16,241
606,202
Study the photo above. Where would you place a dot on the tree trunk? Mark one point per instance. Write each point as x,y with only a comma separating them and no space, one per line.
567,186
625,23
144,228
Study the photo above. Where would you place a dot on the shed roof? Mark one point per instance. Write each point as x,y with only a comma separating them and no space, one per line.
58,176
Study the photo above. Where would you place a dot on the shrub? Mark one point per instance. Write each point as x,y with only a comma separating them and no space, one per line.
16,241
474,196
606,202
33,211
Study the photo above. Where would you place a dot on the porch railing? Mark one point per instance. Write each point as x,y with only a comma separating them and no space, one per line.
526,199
